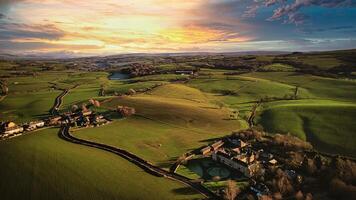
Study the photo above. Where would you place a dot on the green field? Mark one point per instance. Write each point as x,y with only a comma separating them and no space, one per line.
167,124
30,97
327,125
43,166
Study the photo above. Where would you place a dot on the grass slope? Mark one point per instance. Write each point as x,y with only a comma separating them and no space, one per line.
327,125
167,125
179,112
42,166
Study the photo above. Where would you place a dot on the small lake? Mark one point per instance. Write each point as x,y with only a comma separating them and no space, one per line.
118,76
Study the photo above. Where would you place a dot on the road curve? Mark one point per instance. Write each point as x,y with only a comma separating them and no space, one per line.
57,102
143,164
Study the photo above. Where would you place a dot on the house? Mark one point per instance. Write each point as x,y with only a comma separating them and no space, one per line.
242,165
217,145
83,121
86,113
34,125
10,128
237,143
273,162
205,150
54,120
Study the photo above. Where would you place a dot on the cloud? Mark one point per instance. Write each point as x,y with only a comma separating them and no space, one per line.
6,4
29,46
290,11
11,31
327,29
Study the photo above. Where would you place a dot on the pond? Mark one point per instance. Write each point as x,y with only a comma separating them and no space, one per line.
118,76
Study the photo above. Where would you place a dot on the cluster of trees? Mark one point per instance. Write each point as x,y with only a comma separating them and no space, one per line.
4,88
95,103
126,111
226,92
139,69
249,134
340,174
290,142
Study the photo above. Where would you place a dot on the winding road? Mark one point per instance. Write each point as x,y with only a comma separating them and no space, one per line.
143,164
58,101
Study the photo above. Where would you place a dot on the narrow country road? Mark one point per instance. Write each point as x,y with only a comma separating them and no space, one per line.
143,164
58,101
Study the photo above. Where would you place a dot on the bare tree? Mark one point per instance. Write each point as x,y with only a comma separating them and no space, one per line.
231,191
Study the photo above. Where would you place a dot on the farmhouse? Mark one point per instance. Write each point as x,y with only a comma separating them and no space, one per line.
54,120
237,142
245,164
10,128
34,125
217,145
205,150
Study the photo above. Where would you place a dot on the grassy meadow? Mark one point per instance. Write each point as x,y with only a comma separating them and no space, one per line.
43,166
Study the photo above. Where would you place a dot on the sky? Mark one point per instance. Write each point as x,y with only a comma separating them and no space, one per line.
92,27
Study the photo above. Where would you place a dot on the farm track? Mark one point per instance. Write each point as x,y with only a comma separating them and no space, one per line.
143,164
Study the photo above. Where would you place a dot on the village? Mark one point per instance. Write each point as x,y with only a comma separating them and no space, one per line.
79,118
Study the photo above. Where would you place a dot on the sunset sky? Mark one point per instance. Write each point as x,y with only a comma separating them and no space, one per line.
92,27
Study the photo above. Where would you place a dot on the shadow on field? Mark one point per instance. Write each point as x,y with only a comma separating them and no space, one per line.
184,191
210,139
167,164
320,145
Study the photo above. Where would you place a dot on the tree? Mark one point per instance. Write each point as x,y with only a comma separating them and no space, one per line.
309,166
131,92
74,108
231,191
277,196
126,111
299,195
282,183
84,107
94,102
308,196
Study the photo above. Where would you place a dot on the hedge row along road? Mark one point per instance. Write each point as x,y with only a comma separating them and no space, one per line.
143,164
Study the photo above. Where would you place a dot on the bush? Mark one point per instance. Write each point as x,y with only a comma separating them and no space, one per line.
281,183
340,189
131,92
291,142
249,134
126,111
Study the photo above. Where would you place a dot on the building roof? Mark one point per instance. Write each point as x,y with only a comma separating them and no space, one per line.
273,161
